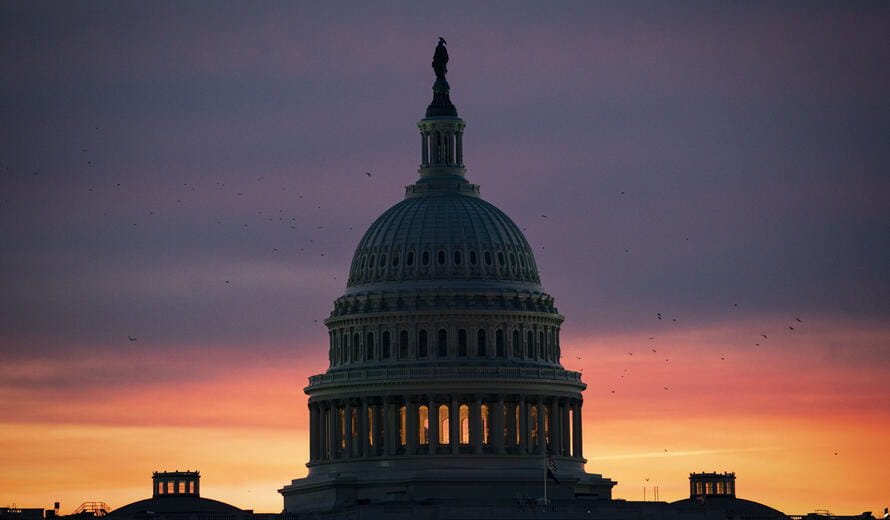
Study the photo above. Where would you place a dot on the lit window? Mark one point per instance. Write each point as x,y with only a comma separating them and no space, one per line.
534,425
342,415
403,425
169,487
423,433
720,488
547,424
444,433
571,432
698,488
516,423
181,488
371,424
464,412
192,487
485,429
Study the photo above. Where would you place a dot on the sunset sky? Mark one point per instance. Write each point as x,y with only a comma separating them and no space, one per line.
191,175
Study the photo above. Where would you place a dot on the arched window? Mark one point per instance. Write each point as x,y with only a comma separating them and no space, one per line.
464,413
395,259
425,258
472,258
384,345
382,260
457,258
422,344
442,344
371,261
487,257
356,349
517,347
344,349
423,419
441,257
512,260
541,344
481,349
409,260
403,344
499,343
444,432
462,343
530,345
369,347
501,260
486,434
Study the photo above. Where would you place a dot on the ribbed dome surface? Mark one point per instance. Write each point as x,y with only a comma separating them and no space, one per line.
444,236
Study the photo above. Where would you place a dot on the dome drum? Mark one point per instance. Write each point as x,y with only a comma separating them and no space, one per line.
458,338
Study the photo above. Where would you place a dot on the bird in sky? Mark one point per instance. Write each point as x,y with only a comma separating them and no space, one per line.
764,336
131,338
368,174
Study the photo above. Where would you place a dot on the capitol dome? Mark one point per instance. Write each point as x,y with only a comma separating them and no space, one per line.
454,235
444,383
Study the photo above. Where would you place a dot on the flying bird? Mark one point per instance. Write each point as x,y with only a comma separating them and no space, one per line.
131,338
368,174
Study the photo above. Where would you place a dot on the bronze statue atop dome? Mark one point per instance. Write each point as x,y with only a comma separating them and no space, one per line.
440,59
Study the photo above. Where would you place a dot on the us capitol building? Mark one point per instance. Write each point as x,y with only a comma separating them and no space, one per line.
445,385
444,397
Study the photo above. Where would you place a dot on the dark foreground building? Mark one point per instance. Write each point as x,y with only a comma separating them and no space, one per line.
176,496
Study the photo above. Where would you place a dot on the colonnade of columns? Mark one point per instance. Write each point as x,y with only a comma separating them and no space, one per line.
415,424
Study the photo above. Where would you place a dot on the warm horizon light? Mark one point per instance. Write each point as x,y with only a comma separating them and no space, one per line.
704,187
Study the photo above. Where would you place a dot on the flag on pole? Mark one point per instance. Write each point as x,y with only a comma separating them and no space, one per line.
551,467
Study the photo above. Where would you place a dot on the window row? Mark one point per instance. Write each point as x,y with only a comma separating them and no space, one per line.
178,487
369,262
347,348
339,432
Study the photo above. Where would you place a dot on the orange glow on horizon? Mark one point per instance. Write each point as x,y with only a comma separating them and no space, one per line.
770,414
